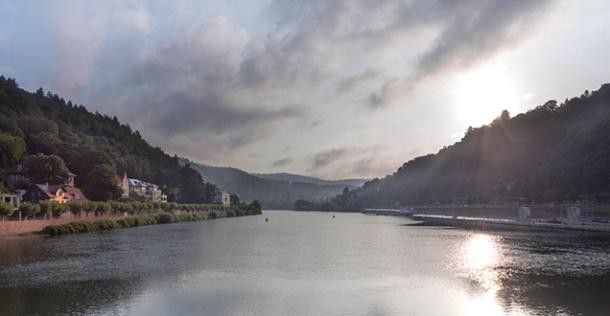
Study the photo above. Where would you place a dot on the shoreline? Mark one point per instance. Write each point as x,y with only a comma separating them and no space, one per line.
505,224
53,227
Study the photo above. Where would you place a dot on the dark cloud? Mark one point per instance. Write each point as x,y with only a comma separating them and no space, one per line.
282,162
350,84
324,158
357,161
212,88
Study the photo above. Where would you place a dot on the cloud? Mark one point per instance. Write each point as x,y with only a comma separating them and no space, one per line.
327,157
355,161
282,162
207,86
350,84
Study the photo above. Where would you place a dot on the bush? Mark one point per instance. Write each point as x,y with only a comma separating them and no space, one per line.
6,209
143,220
106,224
165,218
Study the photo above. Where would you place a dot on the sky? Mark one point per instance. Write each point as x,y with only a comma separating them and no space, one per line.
335,89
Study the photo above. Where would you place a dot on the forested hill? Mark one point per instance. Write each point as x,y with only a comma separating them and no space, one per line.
94,146
552,153
272,192
289,177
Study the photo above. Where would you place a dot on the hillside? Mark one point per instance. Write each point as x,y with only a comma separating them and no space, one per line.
289,177
552,153
271,191
94,146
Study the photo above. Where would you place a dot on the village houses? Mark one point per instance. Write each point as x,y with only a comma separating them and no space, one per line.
61,193
139,190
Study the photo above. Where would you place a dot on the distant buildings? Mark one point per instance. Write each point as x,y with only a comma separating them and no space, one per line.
223,197
139,190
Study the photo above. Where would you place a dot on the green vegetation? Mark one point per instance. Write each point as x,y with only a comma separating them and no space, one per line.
157,217
94,146
6,209
29,209
549,154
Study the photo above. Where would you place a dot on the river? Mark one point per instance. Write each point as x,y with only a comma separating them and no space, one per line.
306,264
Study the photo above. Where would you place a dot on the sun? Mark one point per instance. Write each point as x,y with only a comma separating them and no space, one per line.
482,93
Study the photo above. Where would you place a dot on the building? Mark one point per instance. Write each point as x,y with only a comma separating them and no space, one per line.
16,177
58,193
223,197
10,198
123,183
145,191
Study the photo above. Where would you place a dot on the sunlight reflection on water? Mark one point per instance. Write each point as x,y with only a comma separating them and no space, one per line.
307,264
478,256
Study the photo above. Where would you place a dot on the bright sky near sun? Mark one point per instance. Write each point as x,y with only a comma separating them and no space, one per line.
328,88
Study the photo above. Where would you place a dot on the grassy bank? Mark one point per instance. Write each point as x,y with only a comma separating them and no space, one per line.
143,220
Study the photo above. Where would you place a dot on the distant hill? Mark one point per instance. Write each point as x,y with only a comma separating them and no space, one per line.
272,191
555,152
289,177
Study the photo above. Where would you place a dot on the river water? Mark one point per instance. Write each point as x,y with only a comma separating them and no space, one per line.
306,264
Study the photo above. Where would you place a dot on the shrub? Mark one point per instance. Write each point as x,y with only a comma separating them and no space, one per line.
165,218
106,224
6,209
143,220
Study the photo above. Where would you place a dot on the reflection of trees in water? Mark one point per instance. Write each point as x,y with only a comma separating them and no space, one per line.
551,294
66,298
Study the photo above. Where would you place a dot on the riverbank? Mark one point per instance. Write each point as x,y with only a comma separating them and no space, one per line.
507,224
141,220
15,228
90,222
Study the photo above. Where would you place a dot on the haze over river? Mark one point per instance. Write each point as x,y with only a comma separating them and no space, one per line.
306,264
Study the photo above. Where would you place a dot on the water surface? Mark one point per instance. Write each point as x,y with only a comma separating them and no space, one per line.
306,264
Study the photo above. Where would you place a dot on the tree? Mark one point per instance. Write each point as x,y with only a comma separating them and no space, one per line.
6,209
45,169
29,209
192,188
256,205
47,207
59,209
101,184
11,150
234,199
76,207
505,116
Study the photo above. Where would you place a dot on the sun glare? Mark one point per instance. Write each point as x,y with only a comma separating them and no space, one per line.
483,93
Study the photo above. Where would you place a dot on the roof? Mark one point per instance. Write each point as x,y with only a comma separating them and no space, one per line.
136,182
49,190
75,192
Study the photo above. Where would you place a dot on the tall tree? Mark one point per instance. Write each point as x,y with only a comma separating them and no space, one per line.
101,185
45,169
11,150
